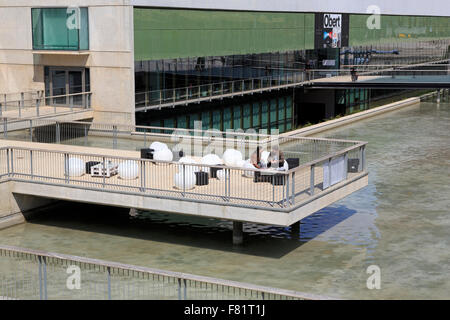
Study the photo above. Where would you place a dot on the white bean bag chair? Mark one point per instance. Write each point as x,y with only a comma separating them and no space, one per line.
188,160
211,159
128,170
240,163
187,180
231,157
76,167
163,155
157,146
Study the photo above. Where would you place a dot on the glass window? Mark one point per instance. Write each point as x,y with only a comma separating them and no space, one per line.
206,117
256,115
247,116
216,117
181,122
60,28
237,117
264,114
226,119
169,123
273,113
192,118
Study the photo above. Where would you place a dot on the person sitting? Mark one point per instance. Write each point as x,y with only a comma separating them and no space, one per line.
276,158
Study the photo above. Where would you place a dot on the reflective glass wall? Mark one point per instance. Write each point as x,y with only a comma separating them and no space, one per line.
262,111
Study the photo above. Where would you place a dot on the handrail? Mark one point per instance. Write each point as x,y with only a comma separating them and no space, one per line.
165,273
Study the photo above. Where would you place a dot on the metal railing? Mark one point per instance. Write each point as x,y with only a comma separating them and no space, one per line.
277,79
31,275
322,164
178,96
35,104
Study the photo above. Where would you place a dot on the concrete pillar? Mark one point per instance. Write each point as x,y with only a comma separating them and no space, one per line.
238,232
295,230
438,100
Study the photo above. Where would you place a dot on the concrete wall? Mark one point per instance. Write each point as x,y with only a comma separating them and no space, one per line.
110,58
410,7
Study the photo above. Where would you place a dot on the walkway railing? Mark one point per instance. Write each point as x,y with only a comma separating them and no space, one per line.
277,78
317,166
31,275
35,104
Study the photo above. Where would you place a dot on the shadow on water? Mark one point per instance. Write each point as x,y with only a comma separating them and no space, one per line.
259,240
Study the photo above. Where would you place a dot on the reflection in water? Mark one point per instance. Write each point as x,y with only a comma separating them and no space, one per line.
399,222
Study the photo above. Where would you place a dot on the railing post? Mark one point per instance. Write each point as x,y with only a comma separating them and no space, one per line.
108,272
142,175
6,105
5,128
8,162
31,164
40,278
45,278
103,173
12,162
179,289
20,108
146,99
58,133
66,167
210,90
184,180
346,165
22,102
31,130
71,103
38,103
363,158
114,137
312,183
293,188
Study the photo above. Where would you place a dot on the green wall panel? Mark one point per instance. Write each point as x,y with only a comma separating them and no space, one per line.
398,28
170,33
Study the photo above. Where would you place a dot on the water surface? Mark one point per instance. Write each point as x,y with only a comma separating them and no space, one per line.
399,222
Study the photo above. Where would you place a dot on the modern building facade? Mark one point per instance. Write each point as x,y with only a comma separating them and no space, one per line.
130,52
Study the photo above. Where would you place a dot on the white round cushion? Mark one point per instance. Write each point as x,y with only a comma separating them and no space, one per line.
156,146
188,160
188,180
231,157
128,170
163,155
76,167
211,159
240,163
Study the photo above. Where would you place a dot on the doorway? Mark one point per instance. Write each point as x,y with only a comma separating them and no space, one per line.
62,82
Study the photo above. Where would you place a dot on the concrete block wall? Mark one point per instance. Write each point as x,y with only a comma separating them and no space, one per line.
110,57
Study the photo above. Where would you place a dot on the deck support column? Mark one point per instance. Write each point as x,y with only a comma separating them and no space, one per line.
238,233
438,100
295,230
